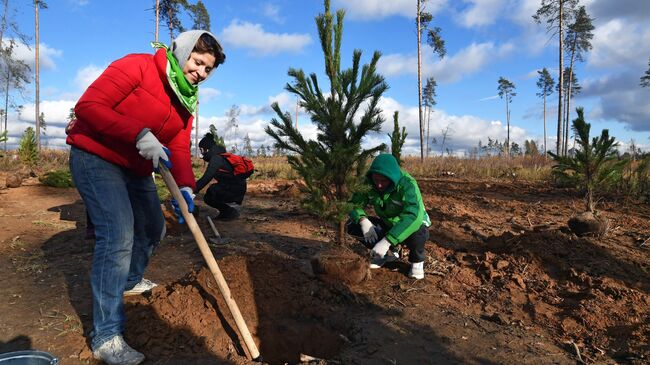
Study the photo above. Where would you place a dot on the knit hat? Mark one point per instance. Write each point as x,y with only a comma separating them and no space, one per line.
183,45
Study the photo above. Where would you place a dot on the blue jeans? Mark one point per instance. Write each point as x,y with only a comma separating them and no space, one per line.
129,224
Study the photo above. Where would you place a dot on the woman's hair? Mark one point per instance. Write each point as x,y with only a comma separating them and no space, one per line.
208,44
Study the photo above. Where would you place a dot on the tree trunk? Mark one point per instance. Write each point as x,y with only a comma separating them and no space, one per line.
590,200
157,18
6,106
340,234
428,128
558,146
508,127
568,96
37,82
420,87
171,28
545,125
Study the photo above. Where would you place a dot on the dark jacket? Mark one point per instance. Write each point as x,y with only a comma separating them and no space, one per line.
400,206
132,94
220,170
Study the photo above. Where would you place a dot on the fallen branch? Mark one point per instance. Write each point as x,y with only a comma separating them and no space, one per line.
575,347
397,300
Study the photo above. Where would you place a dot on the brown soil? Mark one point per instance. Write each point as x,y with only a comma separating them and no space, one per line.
507,283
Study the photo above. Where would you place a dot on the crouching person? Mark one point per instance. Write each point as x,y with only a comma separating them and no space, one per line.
402,218
227,187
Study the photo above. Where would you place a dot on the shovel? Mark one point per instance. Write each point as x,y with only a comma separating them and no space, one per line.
212,263
217,236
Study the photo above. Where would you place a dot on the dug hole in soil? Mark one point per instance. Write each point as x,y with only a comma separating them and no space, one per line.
286,311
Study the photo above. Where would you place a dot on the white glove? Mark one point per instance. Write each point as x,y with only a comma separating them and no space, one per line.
381,248
368,229
151,149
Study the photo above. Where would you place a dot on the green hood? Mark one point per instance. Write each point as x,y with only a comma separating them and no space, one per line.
387,165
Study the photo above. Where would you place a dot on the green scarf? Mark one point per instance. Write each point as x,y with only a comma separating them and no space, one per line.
187,93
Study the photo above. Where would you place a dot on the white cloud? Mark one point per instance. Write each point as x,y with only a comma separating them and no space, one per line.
619,42
481,12
26,54
208,93
55,118
253,36
272,12
377,9
450,69
87,75
465,131
55,111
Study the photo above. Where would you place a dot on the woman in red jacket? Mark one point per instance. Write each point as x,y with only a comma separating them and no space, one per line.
137,113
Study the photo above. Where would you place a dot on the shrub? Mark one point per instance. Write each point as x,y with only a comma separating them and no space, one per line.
57,179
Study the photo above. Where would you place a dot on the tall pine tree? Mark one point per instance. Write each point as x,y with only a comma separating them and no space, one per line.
335,163
545,84
429,94
506,91
578,41
557,15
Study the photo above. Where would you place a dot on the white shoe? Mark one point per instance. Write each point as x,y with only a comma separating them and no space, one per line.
143,286
117,352
417,270
376,262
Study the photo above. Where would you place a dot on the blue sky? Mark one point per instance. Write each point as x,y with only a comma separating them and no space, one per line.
485,39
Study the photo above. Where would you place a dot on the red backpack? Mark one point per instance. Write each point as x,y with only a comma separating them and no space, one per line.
241,166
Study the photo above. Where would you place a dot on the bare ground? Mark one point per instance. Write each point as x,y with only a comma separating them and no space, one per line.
506,283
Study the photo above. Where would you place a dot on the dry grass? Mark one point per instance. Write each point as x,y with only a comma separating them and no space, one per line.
522,167
276,167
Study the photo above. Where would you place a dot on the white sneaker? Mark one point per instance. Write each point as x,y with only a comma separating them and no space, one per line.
376,262
417,270
143,286
117,352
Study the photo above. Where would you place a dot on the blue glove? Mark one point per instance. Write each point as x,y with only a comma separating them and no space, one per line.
167,162
189,199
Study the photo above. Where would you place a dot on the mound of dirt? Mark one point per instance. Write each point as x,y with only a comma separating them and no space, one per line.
285,311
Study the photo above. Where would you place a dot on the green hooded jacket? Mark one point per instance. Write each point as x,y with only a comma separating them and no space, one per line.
400,206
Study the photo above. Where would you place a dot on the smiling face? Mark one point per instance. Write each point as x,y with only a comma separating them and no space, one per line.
381,182
198,66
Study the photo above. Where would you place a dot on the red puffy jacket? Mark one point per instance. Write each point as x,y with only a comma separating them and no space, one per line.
132,94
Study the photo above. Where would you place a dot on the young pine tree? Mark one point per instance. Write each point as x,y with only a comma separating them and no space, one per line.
594,163
334,164
28,149
217,138
397,139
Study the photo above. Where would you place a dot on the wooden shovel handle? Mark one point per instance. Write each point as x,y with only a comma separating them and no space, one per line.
209,259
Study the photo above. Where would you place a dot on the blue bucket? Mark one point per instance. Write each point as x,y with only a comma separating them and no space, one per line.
28,358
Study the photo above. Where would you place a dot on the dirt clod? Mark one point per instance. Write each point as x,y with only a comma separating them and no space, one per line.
14,181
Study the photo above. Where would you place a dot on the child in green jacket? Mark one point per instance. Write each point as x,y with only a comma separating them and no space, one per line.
402,218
